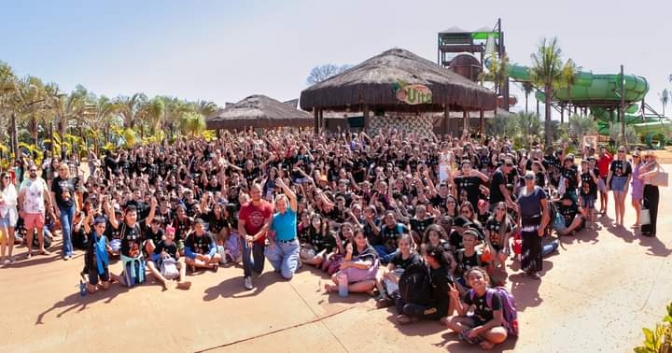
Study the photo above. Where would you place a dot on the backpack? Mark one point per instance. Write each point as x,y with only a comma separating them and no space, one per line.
415,285
169,268
509,312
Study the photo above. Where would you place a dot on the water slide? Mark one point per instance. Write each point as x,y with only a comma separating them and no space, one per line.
604,88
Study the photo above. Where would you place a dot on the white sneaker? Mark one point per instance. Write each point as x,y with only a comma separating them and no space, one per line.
248,283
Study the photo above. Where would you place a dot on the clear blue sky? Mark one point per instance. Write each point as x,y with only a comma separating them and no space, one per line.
226,50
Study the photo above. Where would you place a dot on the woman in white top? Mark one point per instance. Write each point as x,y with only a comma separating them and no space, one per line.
8,218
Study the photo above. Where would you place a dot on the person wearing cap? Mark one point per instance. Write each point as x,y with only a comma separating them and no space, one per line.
651,194
532,221
618,181
96,259
460,224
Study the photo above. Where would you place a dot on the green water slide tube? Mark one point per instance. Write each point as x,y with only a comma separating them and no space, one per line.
591,87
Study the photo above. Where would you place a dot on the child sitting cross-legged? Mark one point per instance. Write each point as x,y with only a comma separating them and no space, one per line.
166,263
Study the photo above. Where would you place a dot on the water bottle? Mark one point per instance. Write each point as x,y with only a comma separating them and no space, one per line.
82,288
342,285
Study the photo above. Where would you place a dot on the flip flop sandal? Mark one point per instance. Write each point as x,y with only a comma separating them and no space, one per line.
463,336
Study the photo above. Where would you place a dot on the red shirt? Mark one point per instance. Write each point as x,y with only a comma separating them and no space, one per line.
255,217
603,164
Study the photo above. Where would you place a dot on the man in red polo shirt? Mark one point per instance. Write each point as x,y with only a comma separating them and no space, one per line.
603,163
254,220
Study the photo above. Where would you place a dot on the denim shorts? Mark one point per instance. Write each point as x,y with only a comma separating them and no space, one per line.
618,183
588,201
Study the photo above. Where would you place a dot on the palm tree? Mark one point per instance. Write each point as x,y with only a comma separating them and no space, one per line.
497,72
8,101
206,108
154,111
102,109
579,126
664,99
129,108
546,72
192,123
568,80
528,88
65,108
530,126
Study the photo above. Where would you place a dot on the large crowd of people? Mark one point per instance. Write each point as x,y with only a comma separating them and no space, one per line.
424,223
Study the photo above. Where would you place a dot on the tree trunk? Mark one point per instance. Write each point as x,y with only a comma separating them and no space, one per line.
547,117
51,138
562,114
34,129
527,96
14,136
538,111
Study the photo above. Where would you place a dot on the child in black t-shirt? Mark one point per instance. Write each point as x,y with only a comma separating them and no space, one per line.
166,263
467,258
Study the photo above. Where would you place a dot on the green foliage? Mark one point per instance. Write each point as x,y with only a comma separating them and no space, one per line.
658,340
581,125
631,135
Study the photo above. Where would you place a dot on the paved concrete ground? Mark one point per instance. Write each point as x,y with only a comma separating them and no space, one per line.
594,297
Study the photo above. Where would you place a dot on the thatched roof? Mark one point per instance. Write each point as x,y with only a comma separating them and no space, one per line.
258,111
371,83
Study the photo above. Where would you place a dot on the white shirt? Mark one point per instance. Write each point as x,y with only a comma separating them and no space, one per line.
34,193
9,198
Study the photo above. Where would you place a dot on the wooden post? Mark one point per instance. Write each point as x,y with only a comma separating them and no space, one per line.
316,121
446,120
562,113
482,120
366,118
322,125
465,117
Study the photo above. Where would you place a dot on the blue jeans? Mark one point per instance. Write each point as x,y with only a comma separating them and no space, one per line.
383,255
257,251
284,257
67,218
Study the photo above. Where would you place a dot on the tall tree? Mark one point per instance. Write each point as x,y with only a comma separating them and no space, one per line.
546,72
323,72
528,88
664,99
567,80
129,108
154,112
497,72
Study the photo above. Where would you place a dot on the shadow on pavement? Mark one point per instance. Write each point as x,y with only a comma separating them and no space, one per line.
526,290
76,301
627,235
233,287
656,247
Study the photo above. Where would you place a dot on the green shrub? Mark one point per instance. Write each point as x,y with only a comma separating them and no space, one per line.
658,340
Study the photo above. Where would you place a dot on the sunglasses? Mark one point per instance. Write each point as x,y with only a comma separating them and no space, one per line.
509,165
529,178
33,170
500,209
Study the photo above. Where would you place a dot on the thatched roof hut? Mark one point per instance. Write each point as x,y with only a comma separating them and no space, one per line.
258,111
371,85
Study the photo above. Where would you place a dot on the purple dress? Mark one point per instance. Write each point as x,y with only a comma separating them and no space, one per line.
637,185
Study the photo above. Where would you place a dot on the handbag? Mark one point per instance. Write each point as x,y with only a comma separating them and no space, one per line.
660,179
645,217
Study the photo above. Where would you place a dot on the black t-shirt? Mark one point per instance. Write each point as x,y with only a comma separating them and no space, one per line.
322,241
482,312
374,239
400,263
570,175
494,227
588,185
498,179
199,244
455,240
440,278
216,224
154,237
466,262
420,225
64,190
470,184
439,201
170,249
391,235
568,212
620,168
131,240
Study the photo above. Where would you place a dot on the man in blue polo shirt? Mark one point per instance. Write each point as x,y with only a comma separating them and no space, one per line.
283,249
